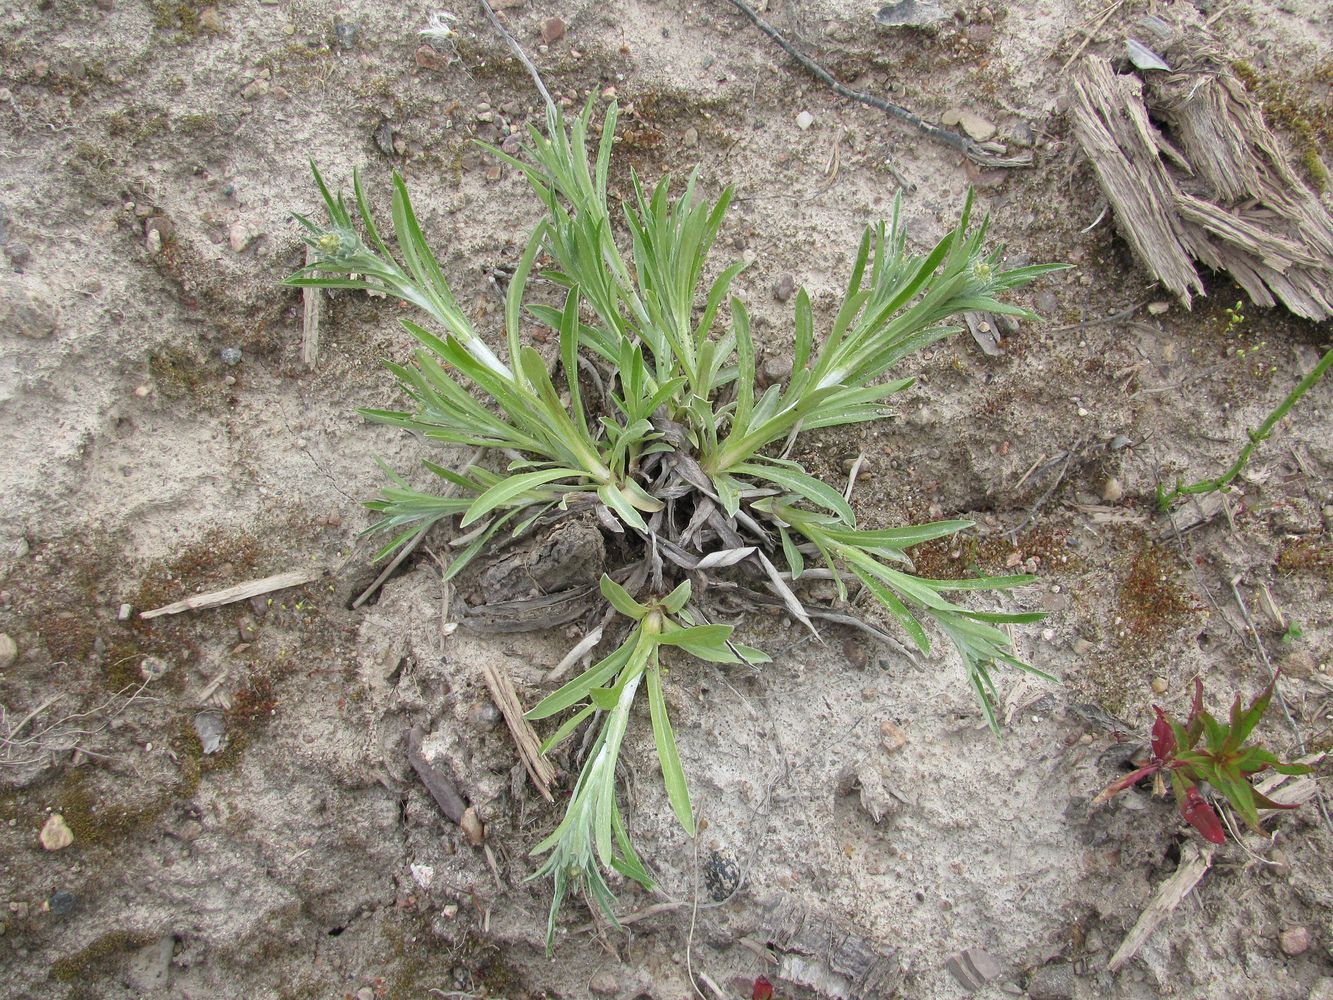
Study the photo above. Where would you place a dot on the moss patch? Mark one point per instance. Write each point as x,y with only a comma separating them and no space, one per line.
101,956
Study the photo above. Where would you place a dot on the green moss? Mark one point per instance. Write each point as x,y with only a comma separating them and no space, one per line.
136,124
96,821
182,16
102,955
1289,104
1305,556
180,373
197,123
1153,602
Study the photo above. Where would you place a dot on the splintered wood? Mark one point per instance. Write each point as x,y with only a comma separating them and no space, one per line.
1194,865
525,739
1195,177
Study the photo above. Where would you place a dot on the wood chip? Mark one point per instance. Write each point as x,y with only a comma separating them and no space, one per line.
982,327
1194,864
312,300
525,738
240,592
438,783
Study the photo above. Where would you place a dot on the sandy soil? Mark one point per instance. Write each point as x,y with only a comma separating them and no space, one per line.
164,438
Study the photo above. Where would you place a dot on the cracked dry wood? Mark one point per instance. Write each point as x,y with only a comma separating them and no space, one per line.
1194,864
1209,186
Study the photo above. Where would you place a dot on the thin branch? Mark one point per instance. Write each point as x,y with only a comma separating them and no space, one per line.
969,148
240,592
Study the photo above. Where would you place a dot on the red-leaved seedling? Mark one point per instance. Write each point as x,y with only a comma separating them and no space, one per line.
1224,761
763,989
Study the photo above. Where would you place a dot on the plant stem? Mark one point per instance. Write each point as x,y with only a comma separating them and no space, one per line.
1164,499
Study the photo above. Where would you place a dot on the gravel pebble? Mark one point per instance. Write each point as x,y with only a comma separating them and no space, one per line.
9,651
56,834
210,729
1294,941
1112,490
784,287
428,58
61,902
804,120
27,308
553,29
154,668
231,356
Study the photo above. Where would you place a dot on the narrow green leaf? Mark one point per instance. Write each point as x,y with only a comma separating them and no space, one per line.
678,598
512,488
673,774
621,600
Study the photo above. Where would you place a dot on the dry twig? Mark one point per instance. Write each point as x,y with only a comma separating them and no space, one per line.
973,150
239,592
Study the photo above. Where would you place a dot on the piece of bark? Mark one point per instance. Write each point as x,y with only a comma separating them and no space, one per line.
1195,176
240,592
525,738
441,789
1194,864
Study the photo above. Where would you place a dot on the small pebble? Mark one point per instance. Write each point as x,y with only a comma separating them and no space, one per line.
247,631
1112,491
56,834
231,356
1048,634
154,668
345,33
856,654
691,138
1157,308
484,714
553,29
429,59
1082,646
61,902
28,309
1294,941
1159,685
141,391
782,291
804,120
239,237
472,827
255,89
9,651
209,727
210,21
891,737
